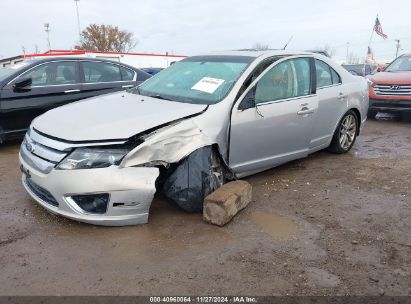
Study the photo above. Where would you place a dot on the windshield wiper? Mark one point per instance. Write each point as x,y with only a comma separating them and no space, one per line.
158,96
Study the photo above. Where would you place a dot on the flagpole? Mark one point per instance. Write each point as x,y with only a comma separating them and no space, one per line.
369,44
372,33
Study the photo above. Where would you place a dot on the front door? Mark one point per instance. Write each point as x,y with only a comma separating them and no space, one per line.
279,127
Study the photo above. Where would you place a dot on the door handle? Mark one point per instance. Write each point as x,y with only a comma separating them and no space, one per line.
127,86
305,111
341,96
71,91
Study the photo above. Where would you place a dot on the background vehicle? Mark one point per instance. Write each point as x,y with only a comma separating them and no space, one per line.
185,131
152,71
390,90
358,69
33,87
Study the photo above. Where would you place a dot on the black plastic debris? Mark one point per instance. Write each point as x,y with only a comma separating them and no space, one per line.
190,183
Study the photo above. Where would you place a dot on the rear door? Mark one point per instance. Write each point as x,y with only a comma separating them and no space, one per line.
53,84
332,105
101,77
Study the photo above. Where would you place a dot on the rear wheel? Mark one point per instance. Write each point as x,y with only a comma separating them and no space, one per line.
345,134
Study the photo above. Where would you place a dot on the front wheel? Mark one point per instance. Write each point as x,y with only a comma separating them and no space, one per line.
345,134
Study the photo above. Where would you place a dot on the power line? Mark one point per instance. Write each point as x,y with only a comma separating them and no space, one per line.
374,42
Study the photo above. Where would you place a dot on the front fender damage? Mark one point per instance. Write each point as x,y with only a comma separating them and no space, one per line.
168,145
185,151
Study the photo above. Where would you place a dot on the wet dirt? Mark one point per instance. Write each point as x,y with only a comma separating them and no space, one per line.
276,226
325,225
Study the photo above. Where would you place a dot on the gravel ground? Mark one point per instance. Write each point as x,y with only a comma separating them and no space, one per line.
325,225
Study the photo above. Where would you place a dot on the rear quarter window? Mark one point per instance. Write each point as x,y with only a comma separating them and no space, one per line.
335,76
127,74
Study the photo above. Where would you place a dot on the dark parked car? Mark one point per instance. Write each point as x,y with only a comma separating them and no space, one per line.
358,69
33,87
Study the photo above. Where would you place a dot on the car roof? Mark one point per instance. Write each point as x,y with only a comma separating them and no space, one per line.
61,58
258,53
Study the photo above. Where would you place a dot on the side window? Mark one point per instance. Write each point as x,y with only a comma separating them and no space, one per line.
100,72
126,74
260,69
335,76
323,72
54,73
288,79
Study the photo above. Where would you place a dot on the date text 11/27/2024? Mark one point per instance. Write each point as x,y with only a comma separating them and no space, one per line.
203,299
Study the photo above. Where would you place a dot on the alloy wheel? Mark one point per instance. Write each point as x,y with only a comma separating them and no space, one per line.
348,131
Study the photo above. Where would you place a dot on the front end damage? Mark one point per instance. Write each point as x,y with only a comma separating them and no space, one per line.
119,194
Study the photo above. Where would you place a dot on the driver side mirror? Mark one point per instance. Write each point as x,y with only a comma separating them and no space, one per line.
23,84
248,101
380,69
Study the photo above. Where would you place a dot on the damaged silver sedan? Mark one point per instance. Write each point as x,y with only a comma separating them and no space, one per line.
187,130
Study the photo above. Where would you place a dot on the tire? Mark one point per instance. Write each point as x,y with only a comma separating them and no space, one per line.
194,178
371,114
2,136
406,116
345,134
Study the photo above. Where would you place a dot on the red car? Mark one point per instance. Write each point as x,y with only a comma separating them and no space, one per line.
390,90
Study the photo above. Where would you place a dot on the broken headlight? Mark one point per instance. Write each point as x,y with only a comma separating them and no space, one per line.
89,158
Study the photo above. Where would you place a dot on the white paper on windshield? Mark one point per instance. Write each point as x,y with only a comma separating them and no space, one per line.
208,84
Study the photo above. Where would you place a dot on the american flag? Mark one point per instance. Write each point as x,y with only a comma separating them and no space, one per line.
378,29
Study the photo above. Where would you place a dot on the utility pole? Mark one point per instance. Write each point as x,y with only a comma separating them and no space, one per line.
398,47
47,30
348,46
78,21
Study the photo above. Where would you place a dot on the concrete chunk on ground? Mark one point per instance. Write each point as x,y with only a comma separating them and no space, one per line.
224,203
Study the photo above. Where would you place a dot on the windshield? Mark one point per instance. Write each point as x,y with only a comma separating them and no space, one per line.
10,70
200,79
400,64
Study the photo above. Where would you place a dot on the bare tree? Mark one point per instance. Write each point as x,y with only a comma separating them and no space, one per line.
353,58
261,47
106,38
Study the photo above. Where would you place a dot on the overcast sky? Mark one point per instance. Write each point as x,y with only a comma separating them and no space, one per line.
197,26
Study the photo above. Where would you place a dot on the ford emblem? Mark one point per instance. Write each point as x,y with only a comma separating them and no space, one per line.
30,147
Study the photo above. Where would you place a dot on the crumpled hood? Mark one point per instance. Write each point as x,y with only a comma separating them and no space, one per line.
113,116
391,78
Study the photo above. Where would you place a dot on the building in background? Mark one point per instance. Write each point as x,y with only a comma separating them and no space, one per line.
138,60
4,62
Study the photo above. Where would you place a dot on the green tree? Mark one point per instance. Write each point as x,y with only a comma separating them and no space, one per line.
106,38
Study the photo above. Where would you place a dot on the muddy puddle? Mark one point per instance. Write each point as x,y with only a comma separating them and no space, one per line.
379,143
277,226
